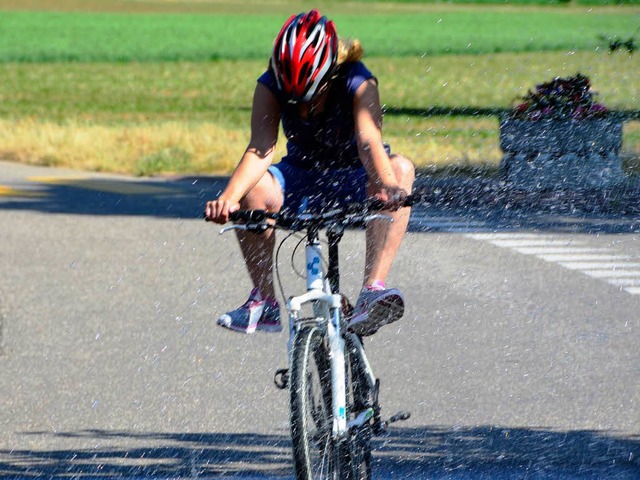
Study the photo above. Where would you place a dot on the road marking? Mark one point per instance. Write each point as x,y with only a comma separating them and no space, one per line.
529,242
447,224
625,282
608,273
19,192
509,236
601,263
125,187
596,265
583,257
558,250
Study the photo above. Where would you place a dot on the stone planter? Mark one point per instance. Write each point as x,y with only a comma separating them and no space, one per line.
561,155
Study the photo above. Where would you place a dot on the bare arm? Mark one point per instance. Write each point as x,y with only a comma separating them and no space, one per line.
368,124
256,159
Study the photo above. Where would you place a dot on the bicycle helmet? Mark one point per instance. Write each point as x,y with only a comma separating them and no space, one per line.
304,55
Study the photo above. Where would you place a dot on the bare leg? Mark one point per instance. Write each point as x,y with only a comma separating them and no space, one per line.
384,237
257,249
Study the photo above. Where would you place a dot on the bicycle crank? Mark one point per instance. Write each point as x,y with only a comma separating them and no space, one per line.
379,425
398,417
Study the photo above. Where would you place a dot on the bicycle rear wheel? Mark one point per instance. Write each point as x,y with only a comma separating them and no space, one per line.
316,455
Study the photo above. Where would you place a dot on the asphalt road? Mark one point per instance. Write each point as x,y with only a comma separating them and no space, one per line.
517,356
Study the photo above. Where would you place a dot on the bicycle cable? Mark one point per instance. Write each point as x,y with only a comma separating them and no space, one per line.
295,270
277,262
293,258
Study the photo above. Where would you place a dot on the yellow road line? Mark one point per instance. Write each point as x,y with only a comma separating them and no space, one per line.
15,192
105,185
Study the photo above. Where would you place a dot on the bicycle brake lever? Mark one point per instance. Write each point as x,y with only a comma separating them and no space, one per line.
233,227
251,227
378,216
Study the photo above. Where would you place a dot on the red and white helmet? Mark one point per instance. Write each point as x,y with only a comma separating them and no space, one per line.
304,55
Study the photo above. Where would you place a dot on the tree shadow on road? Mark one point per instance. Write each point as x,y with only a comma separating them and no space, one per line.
428,452
182,197
455,202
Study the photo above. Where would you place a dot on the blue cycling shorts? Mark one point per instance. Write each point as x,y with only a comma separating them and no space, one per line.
314,190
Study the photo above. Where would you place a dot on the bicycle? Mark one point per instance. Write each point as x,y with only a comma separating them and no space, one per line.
333,390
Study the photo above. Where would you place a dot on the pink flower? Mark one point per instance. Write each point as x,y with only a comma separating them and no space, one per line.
598,108
561,98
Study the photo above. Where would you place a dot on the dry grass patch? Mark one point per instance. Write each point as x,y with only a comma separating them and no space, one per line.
439,142
433,143
180,147
171,147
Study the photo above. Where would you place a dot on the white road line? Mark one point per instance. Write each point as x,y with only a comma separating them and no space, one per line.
597,262
572,257
624,282
612,273
507,236
445,224
558,250
598,266
532,243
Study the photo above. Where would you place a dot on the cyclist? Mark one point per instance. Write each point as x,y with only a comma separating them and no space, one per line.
328,103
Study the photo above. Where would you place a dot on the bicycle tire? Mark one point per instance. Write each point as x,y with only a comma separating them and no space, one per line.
315,454
359,397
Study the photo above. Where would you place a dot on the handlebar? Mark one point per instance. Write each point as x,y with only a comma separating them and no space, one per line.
353,215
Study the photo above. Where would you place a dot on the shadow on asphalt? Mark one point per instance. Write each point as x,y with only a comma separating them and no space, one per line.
482,202
429,452
183,197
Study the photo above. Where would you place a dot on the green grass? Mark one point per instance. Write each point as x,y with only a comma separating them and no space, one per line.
516,2
87,37
172,159
480,2
221,91
151,95
162,91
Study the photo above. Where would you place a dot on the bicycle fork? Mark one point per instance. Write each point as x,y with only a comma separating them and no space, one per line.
326,305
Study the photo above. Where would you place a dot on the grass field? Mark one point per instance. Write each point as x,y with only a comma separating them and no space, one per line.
116,37
145,107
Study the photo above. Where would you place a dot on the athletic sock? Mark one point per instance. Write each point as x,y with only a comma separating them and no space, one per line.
376,285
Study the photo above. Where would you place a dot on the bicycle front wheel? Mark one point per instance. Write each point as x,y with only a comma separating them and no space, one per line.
359,399
316,455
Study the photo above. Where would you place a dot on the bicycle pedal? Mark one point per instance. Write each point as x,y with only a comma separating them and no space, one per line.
281,378
380,428
347,308
399,417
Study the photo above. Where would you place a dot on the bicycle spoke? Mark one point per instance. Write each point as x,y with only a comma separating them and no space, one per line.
311,408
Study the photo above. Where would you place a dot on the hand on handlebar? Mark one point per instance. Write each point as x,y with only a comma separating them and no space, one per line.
218,210
393,197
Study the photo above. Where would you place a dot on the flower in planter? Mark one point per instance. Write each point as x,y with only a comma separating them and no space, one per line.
561,98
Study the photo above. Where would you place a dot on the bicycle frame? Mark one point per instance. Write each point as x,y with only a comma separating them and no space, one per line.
327,308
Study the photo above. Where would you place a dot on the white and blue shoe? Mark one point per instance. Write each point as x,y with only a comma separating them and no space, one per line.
256,314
